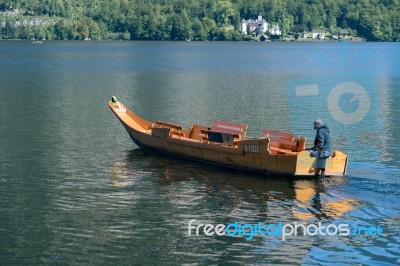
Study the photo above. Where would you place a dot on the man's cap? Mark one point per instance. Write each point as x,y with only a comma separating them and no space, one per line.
319,121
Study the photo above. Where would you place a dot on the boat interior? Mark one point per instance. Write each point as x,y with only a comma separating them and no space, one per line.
230,134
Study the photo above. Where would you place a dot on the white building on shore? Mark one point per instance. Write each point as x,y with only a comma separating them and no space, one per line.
275,30
250,26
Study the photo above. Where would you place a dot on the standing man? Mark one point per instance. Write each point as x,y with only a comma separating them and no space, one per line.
322,146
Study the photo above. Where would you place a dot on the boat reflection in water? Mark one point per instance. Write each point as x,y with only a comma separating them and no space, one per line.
315,200
237,194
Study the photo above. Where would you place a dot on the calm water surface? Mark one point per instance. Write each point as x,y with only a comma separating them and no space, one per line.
74,189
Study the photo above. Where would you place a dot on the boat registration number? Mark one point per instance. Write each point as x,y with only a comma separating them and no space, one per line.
252,148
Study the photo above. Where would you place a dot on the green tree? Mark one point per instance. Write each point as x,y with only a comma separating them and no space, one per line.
199,34
83,30
224,13
63,30
177,28
210,27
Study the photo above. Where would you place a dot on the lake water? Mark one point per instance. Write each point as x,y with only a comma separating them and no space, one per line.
74,189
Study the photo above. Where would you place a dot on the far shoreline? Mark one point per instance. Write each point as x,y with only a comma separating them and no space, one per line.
357,40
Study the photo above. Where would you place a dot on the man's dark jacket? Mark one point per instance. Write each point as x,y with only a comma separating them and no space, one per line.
323,140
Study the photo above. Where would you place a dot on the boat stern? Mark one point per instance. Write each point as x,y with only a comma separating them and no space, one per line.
335,166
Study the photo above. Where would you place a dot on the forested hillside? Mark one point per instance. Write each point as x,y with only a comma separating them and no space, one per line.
195,20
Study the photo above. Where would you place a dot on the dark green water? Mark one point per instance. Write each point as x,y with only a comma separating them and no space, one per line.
74,189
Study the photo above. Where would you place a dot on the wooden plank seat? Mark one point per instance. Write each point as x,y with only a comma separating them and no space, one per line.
228,127
279,134
282,142
175,130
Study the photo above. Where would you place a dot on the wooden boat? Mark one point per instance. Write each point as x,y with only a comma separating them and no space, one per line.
225,144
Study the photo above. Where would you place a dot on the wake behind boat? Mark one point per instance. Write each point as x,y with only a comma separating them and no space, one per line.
225,144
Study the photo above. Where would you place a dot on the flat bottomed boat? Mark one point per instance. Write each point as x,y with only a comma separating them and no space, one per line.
225,144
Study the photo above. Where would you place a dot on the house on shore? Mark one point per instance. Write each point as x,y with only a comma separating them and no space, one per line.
303,35
337,34
318,34
344,33
275,30
251,26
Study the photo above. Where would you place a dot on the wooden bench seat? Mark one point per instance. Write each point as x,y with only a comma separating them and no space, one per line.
175,130
269,133
228,127
284,142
